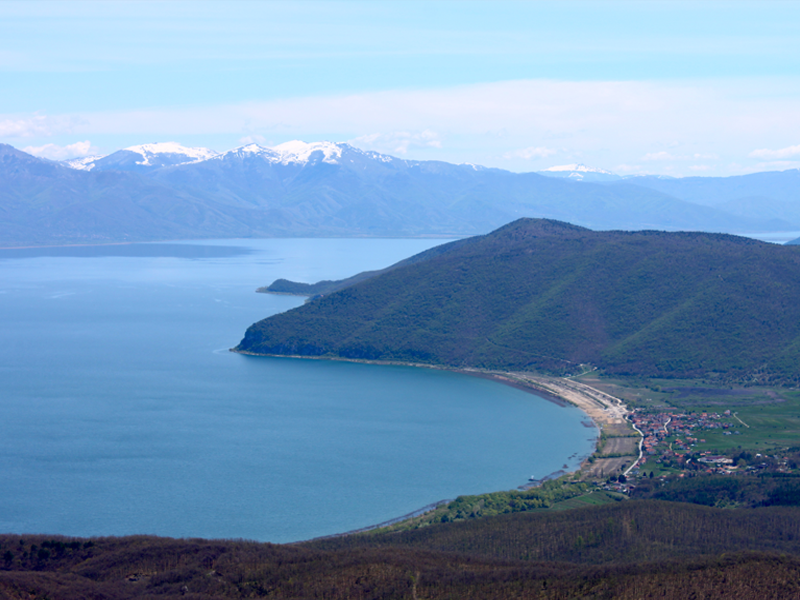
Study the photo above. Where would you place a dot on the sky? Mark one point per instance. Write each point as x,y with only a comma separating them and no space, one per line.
674,88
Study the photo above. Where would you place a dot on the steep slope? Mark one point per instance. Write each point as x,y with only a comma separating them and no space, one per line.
540,294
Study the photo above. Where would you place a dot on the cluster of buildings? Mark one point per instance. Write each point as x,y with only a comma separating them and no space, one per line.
658,426
669,438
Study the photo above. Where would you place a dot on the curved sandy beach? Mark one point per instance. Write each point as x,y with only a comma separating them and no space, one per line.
605,410
617,453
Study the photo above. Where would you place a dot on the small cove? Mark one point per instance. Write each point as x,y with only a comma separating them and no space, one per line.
125,413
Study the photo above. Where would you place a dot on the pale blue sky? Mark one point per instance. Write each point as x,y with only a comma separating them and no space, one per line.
694,88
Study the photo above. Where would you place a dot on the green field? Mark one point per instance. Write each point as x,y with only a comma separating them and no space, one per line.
595,498
768,417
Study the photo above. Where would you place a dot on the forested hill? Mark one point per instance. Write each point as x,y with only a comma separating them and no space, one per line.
541,294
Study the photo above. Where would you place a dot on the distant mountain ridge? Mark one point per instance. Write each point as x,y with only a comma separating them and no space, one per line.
545,295
168,191
579,172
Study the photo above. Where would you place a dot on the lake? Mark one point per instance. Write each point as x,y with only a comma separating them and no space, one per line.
123,411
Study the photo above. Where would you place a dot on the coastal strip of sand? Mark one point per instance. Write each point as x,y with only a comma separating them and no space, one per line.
607,412
619,444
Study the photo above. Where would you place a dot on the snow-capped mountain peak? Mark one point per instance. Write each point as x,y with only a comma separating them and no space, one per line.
294,152
152,153
248,150
578,168
579,172
85,163
252,149
142,158
300,152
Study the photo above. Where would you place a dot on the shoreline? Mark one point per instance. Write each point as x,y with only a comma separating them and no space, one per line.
502,378
605,412
602,408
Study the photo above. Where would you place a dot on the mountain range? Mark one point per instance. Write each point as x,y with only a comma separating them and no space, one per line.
167,191
545,295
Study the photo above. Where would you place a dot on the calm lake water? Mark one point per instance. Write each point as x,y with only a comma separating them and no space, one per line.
123,411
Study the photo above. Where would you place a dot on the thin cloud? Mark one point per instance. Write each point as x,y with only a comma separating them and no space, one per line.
55,152
778,165
531,152
663,155
588,114
27,127
776,154
37,125
552,108
628,169
254,139
659,156
397,142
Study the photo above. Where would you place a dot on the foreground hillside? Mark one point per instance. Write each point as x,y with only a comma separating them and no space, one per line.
547,295
629,550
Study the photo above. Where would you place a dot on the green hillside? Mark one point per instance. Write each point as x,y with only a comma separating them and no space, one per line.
546,295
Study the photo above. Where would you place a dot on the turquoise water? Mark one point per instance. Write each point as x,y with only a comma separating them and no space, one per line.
123,411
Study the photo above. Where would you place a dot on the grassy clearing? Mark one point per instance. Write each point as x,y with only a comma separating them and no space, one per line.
595,498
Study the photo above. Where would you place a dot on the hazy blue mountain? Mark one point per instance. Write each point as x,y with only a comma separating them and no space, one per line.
42,202
324,188
336,187
167,191
771,195
713,191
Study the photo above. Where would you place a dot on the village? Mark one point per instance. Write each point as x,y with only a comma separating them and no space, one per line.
671,446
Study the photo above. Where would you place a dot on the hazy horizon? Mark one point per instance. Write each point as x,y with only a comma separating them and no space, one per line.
675,89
